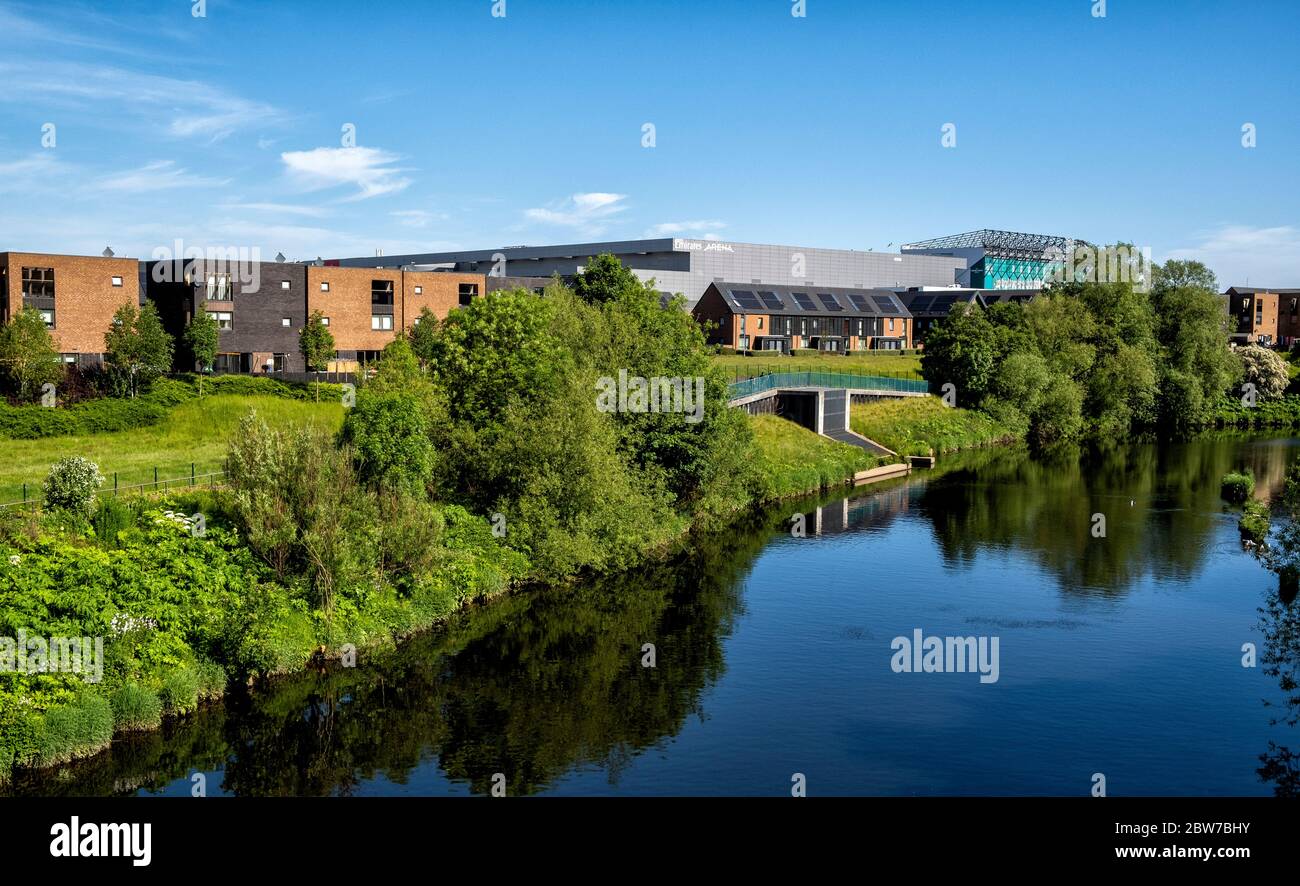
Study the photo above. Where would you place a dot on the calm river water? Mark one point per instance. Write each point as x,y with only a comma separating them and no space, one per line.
1119,655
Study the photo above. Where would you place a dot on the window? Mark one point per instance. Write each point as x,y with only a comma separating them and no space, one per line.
48,317
38,283
117,281
742,322
218,287
467,293
225,363
284,284
419,290
891,324
285,321
68,358
225,320
760,322
324,287
381,292
278,363
324,321
381,321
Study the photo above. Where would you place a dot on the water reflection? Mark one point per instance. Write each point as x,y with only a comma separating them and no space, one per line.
541,685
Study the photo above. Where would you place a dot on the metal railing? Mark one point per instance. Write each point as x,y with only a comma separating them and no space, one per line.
825,379
32,491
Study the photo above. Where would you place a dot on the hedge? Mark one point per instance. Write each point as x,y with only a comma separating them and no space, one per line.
109,414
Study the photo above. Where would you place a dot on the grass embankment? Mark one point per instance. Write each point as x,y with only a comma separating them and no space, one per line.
924,426
792,459
195,432
883,362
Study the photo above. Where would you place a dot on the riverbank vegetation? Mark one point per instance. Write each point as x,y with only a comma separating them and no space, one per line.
478,457
924,426
1098,359
794,460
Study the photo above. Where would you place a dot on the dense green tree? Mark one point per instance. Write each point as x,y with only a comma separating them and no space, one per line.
605,278
423,336
316,344
961,351
388,429
29,358
136,346
1175,274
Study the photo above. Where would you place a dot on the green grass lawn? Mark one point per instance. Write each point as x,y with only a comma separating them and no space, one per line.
792,459
881,362
196,432
919,425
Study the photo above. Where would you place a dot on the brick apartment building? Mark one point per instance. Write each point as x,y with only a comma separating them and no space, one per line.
365,308
76,294
1268,317
781,318
260,315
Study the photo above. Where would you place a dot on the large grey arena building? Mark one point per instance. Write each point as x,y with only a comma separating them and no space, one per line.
689,266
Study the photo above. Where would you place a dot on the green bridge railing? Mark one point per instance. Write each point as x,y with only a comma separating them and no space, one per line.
815,379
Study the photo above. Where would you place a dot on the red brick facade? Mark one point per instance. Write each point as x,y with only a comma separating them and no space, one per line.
85,297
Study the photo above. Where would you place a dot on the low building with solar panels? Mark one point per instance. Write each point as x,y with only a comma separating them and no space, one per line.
779,319
929,306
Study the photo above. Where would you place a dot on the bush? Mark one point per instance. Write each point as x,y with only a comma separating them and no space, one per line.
112,517
136,709
1253,524
72,484
1237,486
180,691
1265,369
79,728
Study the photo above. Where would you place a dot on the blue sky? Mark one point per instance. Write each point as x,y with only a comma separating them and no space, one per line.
474,131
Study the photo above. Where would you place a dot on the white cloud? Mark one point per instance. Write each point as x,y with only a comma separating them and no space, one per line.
417,218
706,230
279,209
192,108
161,175
34,164
586,212
369,169
1240,254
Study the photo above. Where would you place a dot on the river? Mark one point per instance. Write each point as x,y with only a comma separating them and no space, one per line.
1118,654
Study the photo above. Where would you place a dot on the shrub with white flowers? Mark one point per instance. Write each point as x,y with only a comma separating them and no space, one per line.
72,484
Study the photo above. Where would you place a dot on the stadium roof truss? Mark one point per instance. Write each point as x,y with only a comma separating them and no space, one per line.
1002,244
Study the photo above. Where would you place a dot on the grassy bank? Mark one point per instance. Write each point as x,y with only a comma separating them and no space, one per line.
924,426
194,432
793,460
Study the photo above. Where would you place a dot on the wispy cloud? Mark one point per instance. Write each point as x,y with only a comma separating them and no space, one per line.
417,218
161,175
705,230
587,212
1238,254
190,107
370,170
278,209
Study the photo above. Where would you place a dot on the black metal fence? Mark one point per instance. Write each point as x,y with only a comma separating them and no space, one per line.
31,492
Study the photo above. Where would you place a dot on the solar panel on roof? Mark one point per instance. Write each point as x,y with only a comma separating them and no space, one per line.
860,302
746,299
772,300
830,301
886,303
923,304
804,301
